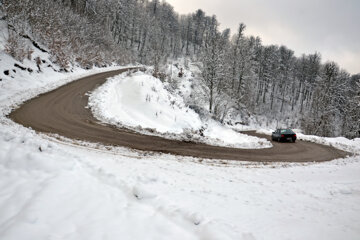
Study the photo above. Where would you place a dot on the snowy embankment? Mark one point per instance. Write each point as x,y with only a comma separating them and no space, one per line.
142,102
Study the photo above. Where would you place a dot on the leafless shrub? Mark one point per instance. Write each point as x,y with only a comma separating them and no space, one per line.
15,46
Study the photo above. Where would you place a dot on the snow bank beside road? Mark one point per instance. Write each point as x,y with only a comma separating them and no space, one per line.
142,102
349,145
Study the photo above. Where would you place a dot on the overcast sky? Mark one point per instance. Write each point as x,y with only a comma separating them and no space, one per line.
331,27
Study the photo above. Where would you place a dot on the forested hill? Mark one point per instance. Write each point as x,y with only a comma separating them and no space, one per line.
241,76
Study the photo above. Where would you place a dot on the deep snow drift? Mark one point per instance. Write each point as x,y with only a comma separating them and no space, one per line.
142,102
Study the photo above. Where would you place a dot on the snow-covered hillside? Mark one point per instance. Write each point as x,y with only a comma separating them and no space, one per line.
144,103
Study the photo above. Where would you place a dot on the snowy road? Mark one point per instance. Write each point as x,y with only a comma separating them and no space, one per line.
64,112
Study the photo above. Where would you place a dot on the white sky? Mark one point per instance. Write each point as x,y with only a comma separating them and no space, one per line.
331,27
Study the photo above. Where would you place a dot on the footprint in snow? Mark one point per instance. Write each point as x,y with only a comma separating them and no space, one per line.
141,193
196,218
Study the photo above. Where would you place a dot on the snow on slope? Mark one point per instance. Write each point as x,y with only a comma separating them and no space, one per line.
141,101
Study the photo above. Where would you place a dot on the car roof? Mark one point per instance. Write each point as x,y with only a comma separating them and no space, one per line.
285,130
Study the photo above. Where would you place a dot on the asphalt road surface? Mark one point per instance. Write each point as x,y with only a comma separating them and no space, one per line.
63,111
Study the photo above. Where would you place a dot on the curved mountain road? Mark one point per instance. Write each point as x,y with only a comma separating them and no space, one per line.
63,111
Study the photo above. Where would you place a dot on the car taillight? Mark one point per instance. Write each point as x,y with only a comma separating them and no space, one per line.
294,135
282,135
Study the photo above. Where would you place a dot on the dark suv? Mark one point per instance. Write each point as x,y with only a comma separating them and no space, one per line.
281,135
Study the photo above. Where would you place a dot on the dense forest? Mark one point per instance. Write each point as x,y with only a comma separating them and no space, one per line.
240,75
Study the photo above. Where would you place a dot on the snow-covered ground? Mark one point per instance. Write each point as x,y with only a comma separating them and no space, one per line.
144,103
59,190
70,192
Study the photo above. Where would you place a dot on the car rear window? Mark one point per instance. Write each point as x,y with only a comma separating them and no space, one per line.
287,131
